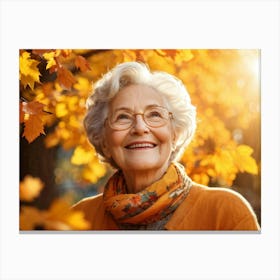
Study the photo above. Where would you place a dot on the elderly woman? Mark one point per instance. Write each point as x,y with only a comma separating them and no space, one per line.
140,123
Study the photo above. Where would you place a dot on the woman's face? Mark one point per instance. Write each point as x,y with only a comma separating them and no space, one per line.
140,147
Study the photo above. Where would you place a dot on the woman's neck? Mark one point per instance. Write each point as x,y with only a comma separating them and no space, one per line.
137,181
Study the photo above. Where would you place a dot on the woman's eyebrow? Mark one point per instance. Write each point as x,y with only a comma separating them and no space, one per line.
130,109
123,109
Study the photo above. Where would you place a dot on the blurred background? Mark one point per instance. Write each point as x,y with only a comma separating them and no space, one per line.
58,166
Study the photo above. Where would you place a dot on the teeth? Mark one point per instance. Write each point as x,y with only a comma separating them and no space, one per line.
144,145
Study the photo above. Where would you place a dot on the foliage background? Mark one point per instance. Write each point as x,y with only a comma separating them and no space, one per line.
57,164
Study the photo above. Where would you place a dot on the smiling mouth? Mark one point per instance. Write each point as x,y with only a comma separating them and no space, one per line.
140,146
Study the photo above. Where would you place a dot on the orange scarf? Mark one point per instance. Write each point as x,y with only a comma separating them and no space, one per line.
152,204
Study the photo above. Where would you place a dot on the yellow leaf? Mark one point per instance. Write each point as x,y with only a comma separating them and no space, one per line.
30,188
72,102
61,217
81,156
61,110
28,71
244,160
93,171
50,57
83,86
77,221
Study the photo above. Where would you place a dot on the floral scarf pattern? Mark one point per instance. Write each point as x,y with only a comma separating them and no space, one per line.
150,205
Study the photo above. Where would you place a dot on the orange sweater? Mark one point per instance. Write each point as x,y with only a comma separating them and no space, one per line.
203,209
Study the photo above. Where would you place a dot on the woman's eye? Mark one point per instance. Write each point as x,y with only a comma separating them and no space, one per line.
123,117
154,114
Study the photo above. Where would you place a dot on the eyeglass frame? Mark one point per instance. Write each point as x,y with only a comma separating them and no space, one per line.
170,115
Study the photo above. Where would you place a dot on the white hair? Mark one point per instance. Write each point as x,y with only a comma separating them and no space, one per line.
128,73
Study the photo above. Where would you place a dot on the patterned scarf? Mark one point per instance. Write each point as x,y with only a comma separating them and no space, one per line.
152,204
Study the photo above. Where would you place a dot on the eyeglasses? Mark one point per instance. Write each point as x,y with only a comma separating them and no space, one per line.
154,116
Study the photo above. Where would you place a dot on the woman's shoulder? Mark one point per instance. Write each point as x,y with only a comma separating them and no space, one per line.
218,195
222,200
91,202
215,208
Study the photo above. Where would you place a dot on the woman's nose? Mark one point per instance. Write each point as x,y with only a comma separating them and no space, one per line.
140,126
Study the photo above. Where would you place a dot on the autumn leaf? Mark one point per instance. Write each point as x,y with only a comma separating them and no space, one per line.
50,58
33,127
58,217
94,170
41,51
21,113
81,156
65,77
28,70
33,124
167,52
33,108
61,217
30,188
84,86
82,63
77,221
61,110
244,160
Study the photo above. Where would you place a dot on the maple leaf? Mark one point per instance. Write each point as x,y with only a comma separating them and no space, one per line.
33,127
30,188
50,58
84,86
32,107
81,156
41,51
21,113
65,77
94,170
244,160
28,71
82,63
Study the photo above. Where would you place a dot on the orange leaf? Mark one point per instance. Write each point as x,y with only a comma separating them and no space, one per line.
166,52
65,77
245,161
33,128
82,63
33,108
21,113
41,51
171,53
30,188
